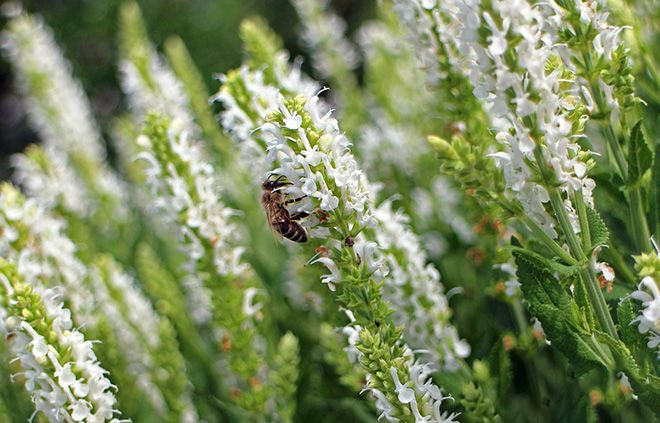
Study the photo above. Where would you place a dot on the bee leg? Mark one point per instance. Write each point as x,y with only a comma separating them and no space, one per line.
299,215
294,200
276,179
275,183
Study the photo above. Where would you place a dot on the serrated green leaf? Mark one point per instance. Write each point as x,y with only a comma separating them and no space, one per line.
646,386
640,156
582,300
599,232
564,336
629,333
539,286
545,263
550,303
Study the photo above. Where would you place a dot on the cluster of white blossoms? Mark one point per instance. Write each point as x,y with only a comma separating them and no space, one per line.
131,319
258,95
304,145
146,79
414,289
323,169
45,257
313,173
323,35
392,136
425,411
35,242
59,110
318,163
530,100
607,40
52,180
61,372
156,90
648,320
413,14
184,187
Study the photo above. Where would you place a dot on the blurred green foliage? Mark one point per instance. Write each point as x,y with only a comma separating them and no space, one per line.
87,32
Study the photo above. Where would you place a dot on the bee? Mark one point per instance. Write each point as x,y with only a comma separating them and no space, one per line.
279,218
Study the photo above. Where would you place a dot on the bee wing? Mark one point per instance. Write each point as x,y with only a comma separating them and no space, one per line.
272,212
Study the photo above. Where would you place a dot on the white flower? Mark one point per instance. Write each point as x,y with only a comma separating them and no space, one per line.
507,92
405,394
414,290
249,308
323,34
205,219
57,393
648,294
164,93
78,176
334,276
50,256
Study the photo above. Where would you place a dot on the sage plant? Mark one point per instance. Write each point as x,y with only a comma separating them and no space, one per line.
508,146
62,375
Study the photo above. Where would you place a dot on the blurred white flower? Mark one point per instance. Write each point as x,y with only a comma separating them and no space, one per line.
648,320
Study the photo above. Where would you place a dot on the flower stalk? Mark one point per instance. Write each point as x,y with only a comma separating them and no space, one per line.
62,375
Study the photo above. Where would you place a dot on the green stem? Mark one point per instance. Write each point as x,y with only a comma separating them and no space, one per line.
596,297
547,241
597,301
565,224
638,219
639,224
519,315
578,200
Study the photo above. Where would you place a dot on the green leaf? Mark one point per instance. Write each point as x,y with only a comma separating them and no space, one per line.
599,232
550,303
640,156
581,298
646,386
500,363
655,192
545,263
629,333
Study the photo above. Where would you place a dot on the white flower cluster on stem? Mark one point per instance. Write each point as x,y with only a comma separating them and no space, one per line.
45,257
122,318
249,110
414,289
413,15
137,324
306,149
60,111
532,99
240,120
35,242
61,371
224,290
393,136
648,320
594,15
146,79
158,89
323,35
185,189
